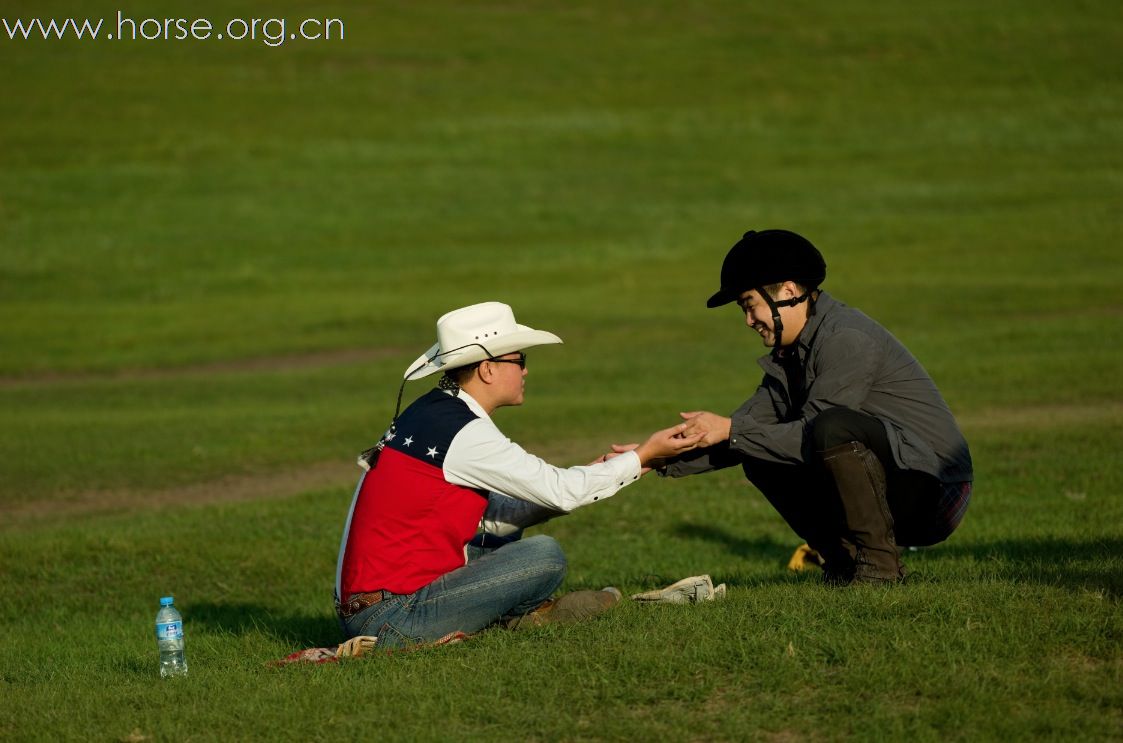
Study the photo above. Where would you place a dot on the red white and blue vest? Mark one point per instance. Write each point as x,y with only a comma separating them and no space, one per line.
408,525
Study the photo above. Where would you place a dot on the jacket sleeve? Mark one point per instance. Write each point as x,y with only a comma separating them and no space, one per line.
506,515
699,461
480,456
845,364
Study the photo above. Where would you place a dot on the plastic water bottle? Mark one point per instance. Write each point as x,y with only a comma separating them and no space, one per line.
169,636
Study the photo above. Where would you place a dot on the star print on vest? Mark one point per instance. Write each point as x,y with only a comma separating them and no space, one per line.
426,428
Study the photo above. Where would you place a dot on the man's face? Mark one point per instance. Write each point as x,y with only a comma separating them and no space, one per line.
758,315
510,377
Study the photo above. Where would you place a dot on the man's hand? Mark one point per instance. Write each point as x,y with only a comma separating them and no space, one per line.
669,442
712,428
659,446
617,450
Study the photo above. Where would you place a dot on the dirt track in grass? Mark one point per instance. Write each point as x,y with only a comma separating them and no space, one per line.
279,363
343,474
228,489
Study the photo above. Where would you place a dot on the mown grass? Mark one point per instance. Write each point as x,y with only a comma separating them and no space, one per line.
216,260
1009,630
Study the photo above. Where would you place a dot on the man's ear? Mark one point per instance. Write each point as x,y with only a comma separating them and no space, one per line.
486,372
792,289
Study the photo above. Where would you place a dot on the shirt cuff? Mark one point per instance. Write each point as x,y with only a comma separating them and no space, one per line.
628,470
740,429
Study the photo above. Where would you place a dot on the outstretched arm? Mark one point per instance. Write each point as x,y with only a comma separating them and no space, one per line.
480,456
708,434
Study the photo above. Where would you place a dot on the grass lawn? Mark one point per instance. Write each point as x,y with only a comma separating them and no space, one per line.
216,259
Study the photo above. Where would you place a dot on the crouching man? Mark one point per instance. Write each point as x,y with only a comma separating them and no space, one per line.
432,544
847,436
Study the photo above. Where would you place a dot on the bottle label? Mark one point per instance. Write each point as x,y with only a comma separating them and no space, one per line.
169,631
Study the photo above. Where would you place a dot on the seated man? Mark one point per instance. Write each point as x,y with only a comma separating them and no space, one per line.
847,436
411,566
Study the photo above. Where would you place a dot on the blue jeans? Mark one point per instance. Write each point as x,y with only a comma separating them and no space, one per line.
509,581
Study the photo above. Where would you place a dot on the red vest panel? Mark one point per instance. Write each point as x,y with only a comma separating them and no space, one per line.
409,525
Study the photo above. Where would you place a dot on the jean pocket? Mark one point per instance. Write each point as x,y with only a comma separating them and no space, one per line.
392,610
371,618
390,637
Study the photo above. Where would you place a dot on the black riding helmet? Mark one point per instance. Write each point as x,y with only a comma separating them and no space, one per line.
770,257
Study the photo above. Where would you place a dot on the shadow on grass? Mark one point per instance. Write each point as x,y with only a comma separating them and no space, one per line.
301,629
751,547
1076,564
757,548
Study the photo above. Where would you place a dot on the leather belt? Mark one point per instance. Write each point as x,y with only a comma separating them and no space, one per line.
359,601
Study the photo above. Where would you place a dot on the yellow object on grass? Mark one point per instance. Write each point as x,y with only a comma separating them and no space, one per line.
804,557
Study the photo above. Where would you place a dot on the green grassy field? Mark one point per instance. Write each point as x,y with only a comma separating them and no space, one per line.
217,258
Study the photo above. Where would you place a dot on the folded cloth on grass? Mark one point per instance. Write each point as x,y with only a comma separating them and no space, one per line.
356,647
691,590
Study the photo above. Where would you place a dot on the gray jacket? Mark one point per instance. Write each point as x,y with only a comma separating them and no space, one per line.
849,361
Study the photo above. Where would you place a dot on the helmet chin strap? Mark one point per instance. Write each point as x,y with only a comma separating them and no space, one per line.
774,306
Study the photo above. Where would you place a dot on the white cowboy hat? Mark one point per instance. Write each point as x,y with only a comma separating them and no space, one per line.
474,333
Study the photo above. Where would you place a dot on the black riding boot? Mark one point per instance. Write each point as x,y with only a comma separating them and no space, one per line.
860,479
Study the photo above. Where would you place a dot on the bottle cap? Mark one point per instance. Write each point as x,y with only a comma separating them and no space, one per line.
166,601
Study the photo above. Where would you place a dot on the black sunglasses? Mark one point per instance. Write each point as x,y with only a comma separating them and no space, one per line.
521,360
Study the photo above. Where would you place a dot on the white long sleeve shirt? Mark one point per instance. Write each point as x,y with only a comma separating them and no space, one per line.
525,489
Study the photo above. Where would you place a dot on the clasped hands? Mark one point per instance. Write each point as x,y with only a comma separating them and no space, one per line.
699,429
